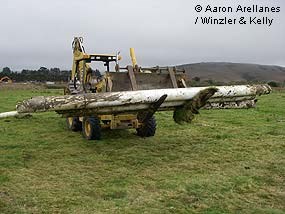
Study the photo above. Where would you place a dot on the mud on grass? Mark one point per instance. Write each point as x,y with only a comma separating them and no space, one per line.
229,161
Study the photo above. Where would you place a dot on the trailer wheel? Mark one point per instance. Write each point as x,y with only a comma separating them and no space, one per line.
91,128
74,124
148,128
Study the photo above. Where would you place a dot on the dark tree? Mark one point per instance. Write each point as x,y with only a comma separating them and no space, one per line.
273,84
6,71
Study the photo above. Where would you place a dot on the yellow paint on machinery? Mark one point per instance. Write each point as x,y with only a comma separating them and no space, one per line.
83,80
120,121
82,73
133,57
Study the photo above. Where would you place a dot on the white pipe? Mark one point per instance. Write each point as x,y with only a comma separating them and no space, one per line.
133,100
9,114
179,94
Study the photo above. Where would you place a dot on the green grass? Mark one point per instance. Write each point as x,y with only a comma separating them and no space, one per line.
226,161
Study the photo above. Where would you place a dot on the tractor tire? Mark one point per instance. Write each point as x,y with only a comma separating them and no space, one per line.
91,128
148,128
74,124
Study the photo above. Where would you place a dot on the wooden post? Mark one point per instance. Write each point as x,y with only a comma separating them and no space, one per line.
172,77
132,78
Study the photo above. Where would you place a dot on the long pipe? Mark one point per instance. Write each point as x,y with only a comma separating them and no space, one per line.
133,100
9,114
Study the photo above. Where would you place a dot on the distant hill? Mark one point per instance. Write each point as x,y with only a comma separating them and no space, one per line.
226,72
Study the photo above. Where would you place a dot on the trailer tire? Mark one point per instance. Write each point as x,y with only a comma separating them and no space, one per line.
148,128
74,124
91,128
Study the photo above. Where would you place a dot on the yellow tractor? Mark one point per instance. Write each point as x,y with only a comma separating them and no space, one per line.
84,80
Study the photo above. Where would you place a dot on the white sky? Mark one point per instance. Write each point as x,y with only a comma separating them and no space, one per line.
38,33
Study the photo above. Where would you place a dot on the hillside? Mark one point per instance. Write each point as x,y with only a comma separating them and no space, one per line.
226,72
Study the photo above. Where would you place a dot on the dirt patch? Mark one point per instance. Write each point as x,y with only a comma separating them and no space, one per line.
20,86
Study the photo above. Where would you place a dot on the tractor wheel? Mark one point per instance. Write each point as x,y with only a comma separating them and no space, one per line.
74,124
148,128
91,128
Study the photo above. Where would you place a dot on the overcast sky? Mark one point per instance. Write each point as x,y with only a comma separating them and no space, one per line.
38,33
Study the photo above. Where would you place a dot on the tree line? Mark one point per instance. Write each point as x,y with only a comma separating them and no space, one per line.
43,74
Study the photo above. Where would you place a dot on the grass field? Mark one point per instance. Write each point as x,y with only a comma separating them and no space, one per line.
227,161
